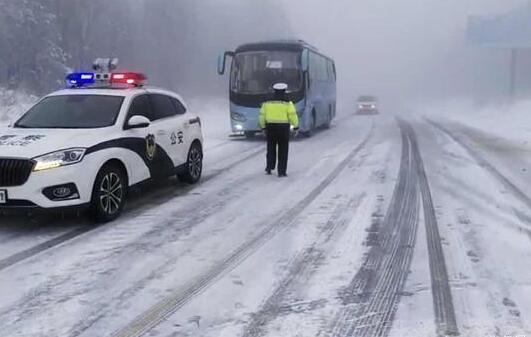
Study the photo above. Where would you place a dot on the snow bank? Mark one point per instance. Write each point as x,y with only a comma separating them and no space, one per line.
509,121
12,104
215,117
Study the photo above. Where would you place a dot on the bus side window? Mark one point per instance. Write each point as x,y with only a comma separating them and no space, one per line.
324,69
321,69
317,66
330,71
313,67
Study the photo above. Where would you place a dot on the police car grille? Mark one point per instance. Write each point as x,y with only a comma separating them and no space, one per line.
14,172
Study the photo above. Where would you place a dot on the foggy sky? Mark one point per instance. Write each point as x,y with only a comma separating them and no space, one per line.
404,50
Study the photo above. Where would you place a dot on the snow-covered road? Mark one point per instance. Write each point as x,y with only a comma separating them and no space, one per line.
385,227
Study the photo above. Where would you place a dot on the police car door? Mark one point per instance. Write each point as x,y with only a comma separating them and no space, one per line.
169,128
144,138
185,136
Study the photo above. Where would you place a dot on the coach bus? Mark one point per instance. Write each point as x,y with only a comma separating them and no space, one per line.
256,67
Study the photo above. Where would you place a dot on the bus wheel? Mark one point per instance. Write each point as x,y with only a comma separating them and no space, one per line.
311,130
313,126
328,120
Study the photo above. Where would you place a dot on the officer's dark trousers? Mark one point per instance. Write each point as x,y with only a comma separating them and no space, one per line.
278,136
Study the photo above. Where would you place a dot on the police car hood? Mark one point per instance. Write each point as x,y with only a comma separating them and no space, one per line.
30,143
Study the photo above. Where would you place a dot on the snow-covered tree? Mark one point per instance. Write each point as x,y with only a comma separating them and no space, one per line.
175,42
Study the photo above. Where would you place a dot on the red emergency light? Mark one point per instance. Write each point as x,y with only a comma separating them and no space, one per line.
128,78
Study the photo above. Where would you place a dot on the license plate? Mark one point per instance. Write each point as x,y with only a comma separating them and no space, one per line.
3,197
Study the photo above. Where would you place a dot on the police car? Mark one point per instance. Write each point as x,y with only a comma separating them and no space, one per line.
86,145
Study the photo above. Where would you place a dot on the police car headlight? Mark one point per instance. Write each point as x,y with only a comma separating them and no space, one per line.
58,159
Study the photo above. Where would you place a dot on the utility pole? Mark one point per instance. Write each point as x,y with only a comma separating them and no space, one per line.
512,84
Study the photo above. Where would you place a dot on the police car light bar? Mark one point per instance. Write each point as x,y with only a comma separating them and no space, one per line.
80,79
128,78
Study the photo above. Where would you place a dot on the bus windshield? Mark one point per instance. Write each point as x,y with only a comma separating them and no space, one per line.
256,72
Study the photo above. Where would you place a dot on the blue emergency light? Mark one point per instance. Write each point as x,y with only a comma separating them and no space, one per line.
80,79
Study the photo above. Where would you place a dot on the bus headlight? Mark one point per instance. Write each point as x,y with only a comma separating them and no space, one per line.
58,159
237,116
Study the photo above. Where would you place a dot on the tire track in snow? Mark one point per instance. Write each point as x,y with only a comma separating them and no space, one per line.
49,244
371,299
443,305
302,269
72,234
502,179
146,321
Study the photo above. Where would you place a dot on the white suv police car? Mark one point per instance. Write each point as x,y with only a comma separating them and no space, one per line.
85,146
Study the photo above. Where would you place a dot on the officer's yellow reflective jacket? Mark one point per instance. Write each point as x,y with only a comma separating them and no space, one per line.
278,112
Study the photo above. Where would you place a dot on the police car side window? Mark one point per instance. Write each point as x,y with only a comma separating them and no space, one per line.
141,106
181,110
162,106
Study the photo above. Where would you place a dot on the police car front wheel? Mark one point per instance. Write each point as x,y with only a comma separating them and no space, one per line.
109,193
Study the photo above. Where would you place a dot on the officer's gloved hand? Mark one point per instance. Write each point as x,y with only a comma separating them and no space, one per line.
295,132
264,131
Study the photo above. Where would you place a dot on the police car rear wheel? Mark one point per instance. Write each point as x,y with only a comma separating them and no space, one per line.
194,165
108,197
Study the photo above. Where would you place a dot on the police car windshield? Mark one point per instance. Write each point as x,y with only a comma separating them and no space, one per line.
72,112
256,72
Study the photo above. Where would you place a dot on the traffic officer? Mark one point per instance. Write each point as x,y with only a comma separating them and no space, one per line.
276,117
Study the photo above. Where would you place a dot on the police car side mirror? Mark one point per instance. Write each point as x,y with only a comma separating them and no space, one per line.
138,122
